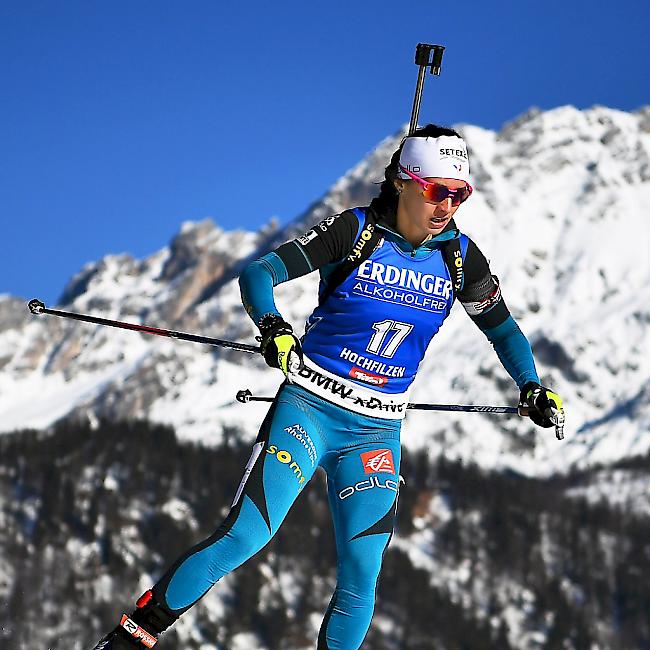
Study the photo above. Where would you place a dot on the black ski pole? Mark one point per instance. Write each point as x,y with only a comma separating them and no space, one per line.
38,307
244,396
426,56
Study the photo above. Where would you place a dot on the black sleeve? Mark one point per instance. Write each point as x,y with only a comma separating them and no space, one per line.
481,295
328,241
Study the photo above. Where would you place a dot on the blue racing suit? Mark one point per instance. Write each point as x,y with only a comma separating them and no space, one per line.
361,456
343,411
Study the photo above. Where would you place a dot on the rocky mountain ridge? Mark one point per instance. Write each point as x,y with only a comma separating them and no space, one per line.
560,209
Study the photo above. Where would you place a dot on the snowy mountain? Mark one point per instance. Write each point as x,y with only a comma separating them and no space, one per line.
560,209
506,538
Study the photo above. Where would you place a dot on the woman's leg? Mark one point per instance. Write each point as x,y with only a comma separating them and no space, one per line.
363,482
284,458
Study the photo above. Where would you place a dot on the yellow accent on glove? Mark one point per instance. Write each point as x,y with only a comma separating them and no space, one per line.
285,343
554,397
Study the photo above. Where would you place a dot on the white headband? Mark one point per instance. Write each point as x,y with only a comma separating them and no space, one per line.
442,157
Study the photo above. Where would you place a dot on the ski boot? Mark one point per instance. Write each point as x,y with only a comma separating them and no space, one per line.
141,629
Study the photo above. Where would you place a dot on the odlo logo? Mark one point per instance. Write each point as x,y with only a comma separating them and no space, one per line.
285,458
369,484
379,460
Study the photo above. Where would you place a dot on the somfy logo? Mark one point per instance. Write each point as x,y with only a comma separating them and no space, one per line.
286,459
366,235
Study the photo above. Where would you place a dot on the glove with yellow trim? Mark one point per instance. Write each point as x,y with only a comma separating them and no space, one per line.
544,407
280,347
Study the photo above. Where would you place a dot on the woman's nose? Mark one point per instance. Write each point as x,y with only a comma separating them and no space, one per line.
445,205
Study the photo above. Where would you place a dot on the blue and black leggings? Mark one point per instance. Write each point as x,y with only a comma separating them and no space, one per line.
361,457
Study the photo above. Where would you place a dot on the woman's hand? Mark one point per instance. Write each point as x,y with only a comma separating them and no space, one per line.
544,406
280,347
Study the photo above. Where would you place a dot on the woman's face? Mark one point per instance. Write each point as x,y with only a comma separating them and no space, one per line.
417,218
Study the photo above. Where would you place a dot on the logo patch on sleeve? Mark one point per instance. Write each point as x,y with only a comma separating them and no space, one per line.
379,460
307,237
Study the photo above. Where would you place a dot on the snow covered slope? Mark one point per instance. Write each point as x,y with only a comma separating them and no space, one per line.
561,209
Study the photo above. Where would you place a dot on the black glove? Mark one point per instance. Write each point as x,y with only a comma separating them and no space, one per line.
544,406
279,344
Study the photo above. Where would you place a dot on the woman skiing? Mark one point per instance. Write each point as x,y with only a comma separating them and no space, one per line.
390,273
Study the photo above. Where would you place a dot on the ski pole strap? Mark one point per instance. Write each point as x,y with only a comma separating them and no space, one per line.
558,420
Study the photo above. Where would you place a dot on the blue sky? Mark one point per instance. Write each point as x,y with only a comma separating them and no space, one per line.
119,120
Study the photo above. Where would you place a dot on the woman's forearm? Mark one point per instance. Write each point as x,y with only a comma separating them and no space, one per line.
256,285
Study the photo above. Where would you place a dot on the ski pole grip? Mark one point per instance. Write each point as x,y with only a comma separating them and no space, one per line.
36,306
244,396
557,417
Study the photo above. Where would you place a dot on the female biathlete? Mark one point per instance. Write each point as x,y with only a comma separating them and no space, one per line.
389,275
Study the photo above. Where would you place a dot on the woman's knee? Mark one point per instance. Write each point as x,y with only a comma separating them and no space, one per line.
249,538
234,542
360,566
